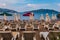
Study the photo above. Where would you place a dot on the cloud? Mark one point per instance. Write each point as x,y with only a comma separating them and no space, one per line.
58,4
25,7
37,5
2,5
20,5
58,7
11,4
11,1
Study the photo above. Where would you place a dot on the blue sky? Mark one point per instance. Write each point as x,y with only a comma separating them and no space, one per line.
27,5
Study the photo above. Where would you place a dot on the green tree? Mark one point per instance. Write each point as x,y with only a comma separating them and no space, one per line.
7,14
58,16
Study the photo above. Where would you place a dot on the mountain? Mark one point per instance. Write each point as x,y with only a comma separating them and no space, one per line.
7,10
38,12
44,11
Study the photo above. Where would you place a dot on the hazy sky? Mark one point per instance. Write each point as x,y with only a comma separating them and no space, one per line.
26,5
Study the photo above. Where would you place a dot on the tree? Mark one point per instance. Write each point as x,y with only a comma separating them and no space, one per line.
58,16
7,14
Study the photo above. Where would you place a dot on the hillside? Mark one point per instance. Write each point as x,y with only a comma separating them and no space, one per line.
7,10
44,11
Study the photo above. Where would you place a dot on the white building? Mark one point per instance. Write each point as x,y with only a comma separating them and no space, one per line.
5,17
15,17
47,19
31,16
54,17
41,17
